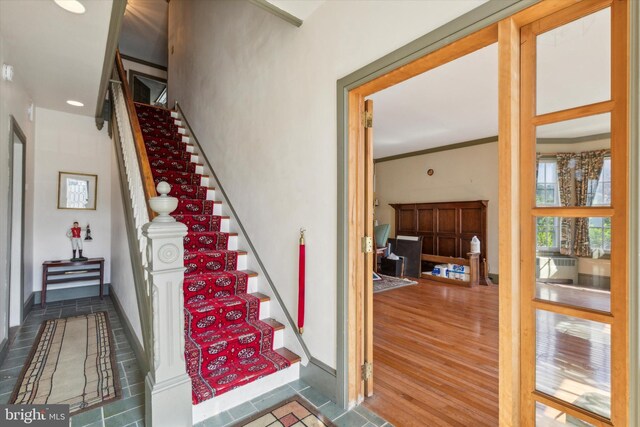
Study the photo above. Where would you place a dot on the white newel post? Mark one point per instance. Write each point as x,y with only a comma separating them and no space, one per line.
168,387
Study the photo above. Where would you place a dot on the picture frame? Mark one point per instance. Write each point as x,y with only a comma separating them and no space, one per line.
77,191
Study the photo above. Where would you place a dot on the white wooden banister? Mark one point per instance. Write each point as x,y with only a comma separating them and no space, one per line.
168,387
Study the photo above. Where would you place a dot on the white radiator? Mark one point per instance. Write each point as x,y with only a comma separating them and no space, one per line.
552,268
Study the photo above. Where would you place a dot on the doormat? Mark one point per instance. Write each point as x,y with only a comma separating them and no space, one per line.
389,282
291,412
72,362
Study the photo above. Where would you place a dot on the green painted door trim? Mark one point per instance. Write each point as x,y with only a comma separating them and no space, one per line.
275,10
457,145
478,18
115,23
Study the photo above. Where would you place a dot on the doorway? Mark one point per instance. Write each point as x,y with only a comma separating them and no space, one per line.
148,89
17,161
520,397
435,338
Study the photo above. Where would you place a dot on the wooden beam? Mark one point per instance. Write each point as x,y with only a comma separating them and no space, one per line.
455,50
508,218
620,221
574,113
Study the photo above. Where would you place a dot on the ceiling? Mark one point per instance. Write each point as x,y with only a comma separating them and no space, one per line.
56,55
458,101
144,30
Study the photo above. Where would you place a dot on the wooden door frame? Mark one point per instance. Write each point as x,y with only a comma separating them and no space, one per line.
457,38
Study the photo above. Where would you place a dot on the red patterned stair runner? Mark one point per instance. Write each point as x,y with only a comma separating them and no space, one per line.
226,345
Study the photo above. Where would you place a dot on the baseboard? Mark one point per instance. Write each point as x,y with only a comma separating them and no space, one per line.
321,377
54,295
28,306
131,335
495,278
4,350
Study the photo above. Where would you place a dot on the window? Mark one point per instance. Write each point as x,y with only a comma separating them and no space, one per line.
548,234
547,194
600,228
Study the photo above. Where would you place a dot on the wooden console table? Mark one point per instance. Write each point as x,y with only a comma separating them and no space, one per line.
59,272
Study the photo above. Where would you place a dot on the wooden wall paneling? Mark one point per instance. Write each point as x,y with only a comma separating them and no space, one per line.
447,246
406,222
474,221
426,219
446,227
447,220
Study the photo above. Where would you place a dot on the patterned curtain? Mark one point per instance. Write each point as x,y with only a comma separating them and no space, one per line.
566,164
588,167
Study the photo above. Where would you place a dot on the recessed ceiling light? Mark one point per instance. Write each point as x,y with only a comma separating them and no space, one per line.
73,6
75,103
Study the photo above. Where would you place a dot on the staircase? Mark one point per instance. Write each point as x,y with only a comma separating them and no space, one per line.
230,340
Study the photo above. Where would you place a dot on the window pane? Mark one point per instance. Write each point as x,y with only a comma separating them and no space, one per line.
547,416
573,361
573,264
586,79
574,162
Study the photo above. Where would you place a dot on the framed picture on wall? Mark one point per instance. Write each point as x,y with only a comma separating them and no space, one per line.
77,190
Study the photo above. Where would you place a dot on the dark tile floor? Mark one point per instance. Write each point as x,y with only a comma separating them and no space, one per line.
129,411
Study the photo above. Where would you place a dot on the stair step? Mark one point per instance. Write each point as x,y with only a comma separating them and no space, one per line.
237,374
289,355
204,262
223,402
277,326
262,297
210,240
198,207
214,348
214,313
200,287
203,222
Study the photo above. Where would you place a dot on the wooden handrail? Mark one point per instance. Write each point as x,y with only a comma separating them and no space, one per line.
143,160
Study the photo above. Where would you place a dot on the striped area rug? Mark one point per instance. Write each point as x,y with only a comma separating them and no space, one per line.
72,362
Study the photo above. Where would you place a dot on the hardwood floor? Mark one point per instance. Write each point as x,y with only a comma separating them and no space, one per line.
436,355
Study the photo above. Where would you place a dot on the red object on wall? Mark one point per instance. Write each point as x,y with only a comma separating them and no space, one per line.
301,273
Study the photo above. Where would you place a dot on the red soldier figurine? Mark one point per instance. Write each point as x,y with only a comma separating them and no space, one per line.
76,241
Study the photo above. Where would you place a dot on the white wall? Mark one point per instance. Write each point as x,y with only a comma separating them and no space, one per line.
69,143
14,100
469,173
261,96
121,269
